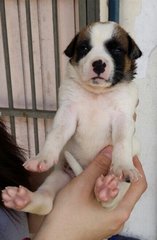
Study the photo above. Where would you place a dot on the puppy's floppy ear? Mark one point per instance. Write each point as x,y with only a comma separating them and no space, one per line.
69,51
133,50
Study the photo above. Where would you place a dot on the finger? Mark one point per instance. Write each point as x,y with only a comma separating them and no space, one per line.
100,165
138,165
135,190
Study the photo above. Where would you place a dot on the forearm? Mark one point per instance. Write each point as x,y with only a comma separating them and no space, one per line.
56,228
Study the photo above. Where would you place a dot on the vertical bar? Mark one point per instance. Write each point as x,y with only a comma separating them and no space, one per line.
97,10
22,59
7,64
89,11
56,44
30,49
76,15
113,6
93,12
82,13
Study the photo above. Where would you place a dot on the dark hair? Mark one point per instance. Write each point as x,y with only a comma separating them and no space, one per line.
12,173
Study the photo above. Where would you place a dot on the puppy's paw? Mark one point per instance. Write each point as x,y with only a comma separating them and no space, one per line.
124,172
106,188
40,163
16,197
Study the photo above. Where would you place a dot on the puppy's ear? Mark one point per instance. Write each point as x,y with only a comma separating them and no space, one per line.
69,51
133,50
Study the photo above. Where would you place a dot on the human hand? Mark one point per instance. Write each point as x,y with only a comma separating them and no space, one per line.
78,215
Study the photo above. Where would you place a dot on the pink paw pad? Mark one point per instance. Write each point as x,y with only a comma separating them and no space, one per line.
36,166
106,188
16,197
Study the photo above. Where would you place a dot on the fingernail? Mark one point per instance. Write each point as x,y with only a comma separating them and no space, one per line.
107,152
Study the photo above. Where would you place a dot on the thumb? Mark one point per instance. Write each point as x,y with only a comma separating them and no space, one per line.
100,165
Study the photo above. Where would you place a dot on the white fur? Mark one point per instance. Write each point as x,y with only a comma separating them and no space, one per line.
87,122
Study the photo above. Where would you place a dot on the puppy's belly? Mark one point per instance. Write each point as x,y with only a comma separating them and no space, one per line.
85,151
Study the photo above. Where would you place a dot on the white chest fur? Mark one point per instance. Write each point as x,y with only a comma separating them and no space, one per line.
97,116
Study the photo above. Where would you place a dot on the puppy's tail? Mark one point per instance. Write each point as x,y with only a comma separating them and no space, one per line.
73,163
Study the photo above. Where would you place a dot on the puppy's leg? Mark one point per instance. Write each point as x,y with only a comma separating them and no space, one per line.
122,137
64,125
39,202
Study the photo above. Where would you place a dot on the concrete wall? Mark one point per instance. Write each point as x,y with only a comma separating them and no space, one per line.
139,18
141,23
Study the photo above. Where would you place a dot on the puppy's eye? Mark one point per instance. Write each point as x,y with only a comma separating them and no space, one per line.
83,48
117,50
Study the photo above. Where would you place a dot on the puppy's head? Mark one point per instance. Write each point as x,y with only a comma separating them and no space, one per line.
103,54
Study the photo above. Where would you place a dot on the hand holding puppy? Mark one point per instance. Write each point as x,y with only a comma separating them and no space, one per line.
78,215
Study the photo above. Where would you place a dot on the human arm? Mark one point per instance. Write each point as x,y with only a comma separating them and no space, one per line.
77,214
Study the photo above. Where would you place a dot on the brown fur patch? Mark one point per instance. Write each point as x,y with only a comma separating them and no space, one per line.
83,35
121,36
127,66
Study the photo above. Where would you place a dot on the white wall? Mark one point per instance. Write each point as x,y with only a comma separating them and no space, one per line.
139,18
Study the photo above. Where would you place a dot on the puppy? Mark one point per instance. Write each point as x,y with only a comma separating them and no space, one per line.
98,100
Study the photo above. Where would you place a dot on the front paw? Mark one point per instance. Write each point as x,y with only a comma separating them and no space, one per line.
106,188
125,172
16,198
40,163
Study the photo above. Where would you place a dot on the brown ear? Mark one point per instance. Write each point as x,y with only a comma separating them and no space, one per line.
69,51
133,50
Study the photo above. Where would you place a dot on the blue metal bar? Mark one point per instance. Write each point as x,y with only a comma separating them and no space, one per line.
113,10
119,237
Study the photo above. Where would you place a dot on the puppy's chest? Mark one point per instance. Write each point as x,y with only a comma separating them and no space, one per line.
94,118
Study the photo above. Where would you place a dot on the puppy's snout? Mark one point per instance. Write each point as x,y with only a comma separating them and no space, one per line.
99,66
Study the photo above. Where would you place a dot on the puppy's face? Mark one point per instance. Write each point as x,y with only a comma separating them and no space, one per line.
103,54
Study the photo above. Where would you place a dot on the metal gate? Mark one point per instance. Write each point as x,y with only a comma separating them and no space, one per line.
33,36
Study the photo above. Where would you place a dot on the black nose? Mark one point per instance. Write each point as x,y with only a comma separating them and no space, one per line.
99,66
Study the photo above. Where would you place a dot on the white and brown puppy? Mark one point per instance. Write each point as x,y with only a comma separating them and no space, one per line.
97,103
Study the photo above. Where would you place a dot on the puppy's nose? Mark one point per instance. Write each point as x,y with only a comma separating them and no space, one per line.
99,66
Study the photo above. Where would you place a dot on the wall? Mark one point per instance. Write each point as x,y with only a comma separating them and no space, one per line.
139,18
